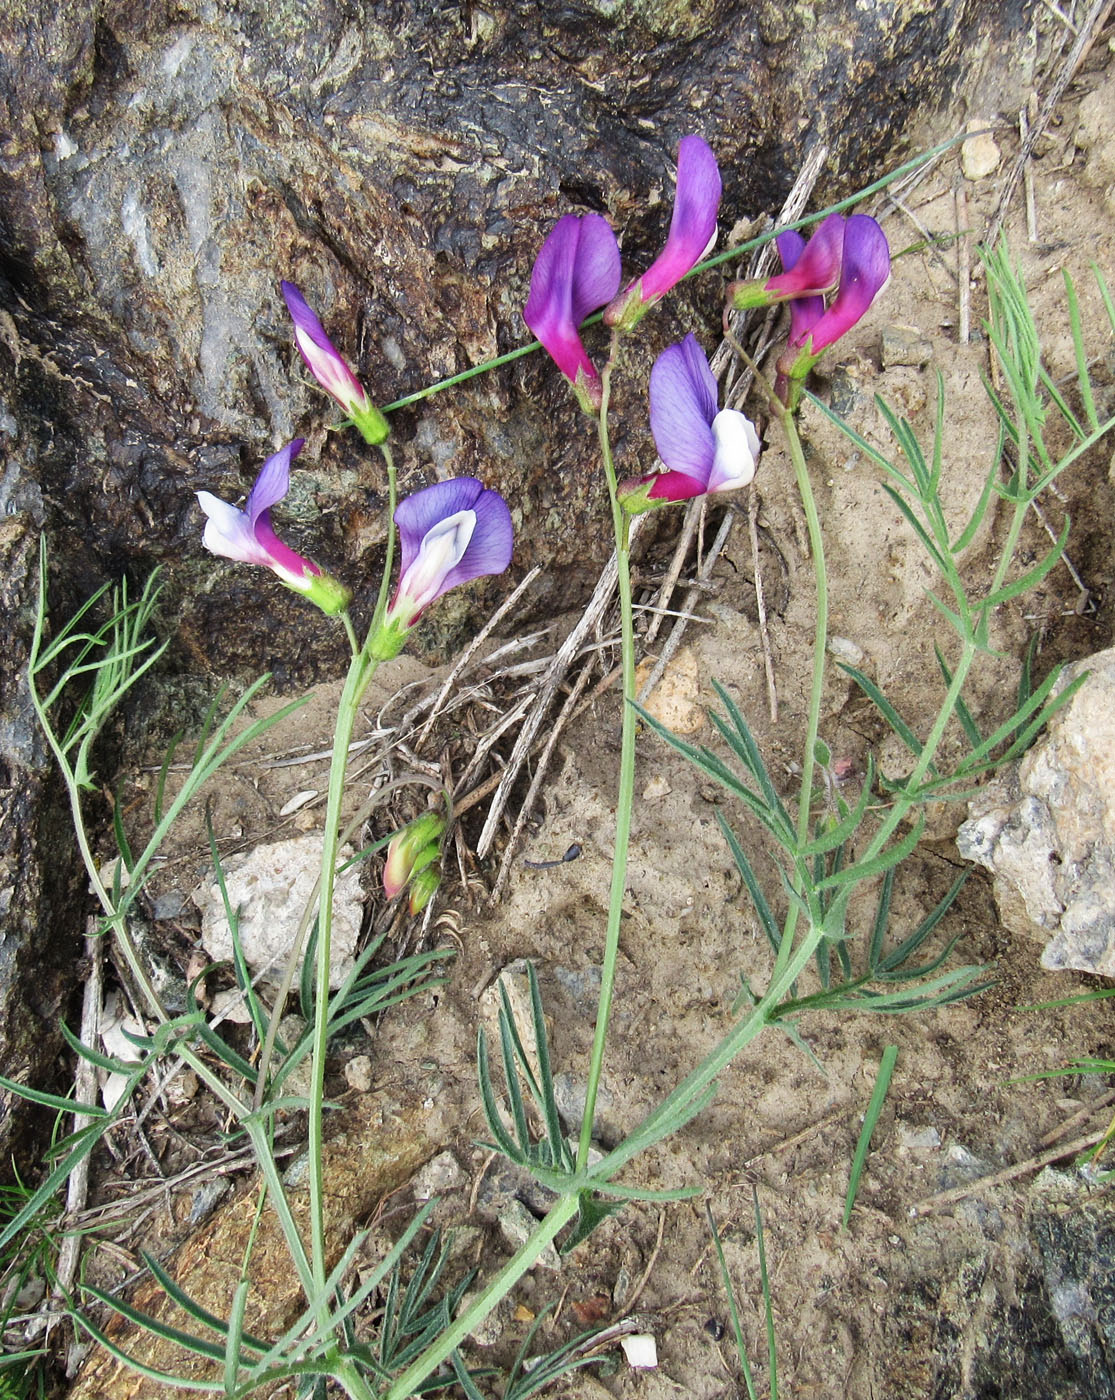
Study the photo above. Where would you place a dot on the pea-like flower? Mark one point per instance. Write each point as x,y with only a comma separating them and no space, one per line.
692,234
850,256
576,272
449,534
704,449
246,534
330,370
808,269
411,851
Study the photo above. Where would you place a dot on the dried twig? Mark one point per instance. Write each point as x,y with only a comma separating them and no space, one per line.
753,504
963,265
1093,22
1032,1164
85,1089
542,768
546,689
669,650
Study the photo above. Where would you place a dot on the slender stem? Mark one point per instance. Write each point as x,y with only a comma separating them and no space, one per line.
350,632
360,672
820,639
626,795
559,1216
389,559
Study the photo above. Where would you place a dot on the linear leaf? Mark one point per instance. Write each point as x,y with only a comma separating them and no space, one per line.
870,1118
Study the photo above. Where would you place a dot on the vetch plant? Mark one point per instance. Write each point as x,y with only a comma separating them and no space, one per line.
827,916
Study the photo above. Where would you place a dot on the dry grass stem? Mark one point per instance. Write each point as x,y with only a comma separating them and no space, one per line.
1094,21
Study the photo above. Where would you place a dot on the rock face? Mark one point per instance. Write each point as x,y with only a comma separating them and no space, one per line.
164,162
1046,829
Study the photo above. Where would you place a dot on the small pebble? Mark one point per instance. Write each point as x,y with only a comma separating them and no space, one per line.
439,1175
640,1350
657,787
905,345
979,156
844,649
358,1073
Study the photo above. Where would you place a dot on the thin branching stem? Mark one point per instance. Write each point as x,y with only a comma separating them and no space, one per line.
626,795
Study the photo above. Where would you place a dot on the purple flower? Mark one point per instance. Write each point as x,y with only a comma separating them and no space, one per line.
693,226
330,370
576,272
703,449
448,534
864,271
692,234
246,535
812,267
808,308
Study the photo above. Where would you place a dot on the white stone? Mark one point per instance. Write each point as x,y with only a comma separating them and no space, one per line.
1045,828
640,1350
271,887
979,156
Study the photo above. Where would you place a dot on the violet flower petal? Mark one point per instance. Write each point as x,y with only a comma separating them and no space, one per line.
693,225
682,407
321,356
805,311
864,273
577,270
817,266
479,522
246,535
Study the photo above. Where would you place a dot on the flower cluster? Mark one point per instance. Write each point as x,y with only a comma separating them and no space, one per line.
848,258
412,856
450,533
577,270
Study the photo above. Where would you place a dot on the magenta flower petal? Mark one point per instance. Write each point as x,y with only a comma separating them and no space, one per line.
449,533
864,273
577,270
246,535
682,407
805,311
693,226
817,266
675,486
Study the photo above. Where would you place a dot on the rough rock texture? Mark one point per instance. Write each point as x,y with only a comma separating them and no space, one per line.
1045,828
270,887
164,162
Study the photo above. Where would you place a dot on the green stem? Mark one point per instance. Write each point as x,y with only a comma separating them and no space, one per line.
820,638
350,632
360,672
626,794
502,1283
389,560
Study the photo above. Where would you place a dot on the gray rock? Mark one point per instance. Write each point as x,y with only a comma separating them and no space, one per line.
905,345
270,888
1045,828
